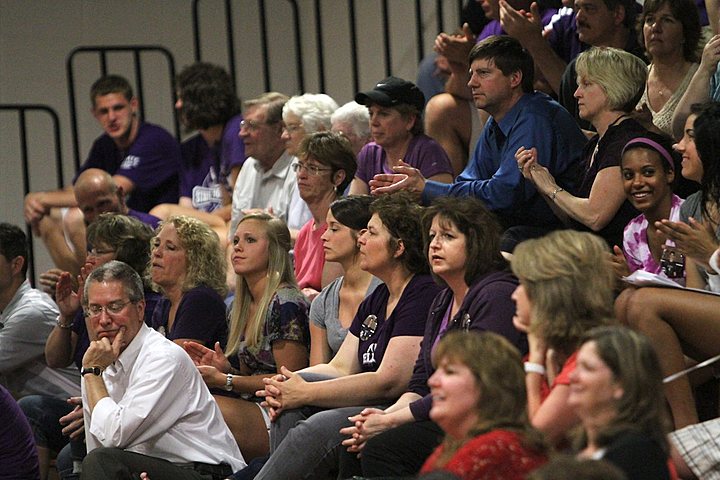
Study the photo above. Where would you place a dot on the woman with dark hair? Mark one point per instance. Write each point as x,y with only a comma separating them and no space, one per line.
324,168
211,160
396,126
609,84
616,392
462,244
375,360
648,170
566,289
188,267
268,328
479,401
333,310
670,32
683,322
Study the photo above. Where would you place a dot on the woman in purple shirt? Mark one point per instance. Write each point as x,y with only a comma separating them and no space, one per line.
375,360
396,125
463,247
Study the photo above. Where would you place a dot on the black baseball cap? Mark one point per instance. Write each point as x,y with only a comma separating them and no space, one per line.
391,92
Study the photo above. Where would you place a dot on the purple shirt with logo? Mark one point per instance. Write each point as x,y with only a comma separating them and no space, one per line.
205,169
407,319
151,163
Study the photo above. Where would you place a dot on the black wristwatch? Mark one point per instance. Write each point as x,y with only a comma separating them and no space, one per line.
94,370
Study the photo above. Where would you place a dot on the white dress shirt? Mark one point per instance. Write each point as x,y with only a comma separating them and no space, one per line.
275,188
159,406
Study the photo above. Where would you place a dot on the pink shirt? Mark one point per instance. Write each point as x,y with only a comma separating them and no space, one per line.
309,256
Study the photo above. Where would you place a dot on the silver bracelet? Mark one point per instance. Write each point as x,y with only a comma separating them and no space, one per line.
532,367
62,325
555,192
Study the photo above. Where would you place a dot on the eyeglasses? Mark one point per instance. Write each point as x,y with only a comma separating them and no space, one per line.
251,126
290,128
310,169
96,252
113,308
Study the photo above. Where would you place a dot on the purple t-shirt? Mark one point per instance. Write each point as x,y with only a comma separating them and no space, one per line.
423,153
146,218
151,163
18,455
206,169
407,319
563,36
493,27
200,315
487,307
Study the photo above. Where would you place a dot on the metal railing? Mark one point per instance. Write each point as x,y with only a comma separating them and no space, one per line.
22,111
297,36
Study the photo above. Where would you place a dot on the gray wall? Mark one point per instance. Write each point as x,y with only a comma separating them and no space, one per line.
36,37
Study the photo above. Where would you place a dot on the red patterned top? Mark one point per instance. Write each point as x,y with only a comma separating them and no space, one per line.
495,455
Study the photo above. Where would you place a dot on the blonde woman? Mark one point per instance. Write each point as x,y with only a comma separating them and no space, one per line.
566,288
268,329
187,266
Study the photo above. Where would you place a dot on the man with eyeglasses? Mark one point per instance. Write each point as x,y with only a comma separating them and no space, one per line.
145,404
27,316
267,179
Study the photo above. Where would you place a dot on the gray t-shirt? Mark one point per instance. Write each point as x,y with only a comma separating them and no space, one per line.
324,311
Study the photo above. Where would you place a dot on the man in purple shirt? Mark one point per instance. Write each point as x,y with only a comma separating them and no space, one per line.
142,158
211,159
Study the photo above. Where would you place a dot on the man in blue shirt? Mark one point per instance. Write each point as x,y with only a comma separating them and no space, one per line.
501,80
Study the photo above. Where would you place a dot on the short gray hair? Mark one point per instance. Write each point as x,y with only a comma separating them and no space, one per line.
356,115
313,110
116,271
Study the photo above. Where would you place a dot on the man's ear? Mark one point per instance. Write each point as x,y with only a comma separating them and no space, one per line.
134,103
16,265
516,78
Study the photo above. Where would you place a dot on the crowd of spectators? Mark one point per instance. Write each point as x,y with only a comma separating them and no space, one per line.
511,278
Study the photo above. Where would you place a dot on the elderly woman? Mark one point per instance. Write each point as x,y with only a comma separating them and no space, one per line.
566,288
303,115
375,361
610,81
396,125
684,322
333,310
479,402
187,265
353,121
616,391
113,237
463,248
671,36
268,328
324,169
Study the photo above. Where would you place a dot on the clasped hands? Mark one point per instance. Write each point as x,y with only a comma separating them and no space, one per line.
533,171
284,391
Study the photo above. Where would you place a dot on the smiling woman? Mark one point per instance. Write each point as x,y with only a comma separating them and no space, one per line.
479,401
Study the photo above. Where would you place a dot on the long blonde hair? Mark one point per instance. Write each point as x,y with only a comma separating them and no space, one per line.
279,272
